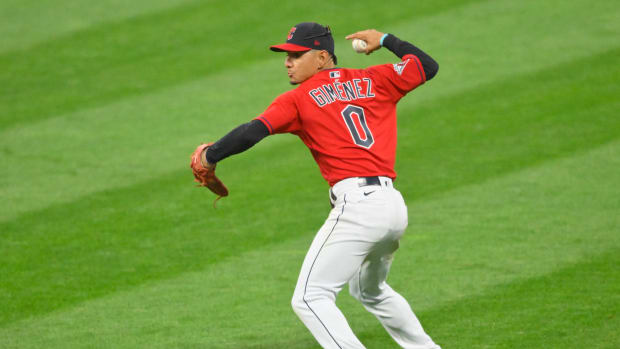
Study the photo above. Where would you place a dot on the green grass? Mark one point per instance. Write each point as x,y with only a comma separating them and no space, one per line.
508,161
570,308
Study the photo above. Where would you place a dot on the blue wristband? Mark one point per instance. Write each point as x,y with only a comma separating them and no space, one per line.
382,38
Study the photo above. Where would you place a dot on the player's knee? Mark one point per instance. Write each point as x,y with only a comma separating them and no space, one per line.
297,303
303,299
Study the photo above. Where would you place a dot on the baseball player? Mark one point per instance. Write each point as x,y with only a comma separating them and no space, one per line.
347,118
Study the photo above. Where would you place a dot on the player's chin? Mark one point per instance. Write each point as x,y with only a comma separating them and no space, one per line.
296,79
293,78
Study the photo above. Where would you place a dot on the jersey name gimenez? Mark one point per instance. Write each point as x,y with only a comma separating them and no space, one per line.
347,117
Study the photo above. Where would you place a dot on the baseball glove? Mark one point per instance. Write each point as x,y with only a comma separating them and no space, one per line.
204,172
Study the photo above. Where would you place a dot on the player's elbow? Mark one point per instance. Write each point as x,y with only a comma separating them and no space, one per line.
430,69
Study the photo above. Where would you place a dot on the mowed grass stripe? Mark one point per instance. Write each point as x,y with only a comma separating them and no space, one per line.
24,23
485,42
574,307
113,60
120,238
509,125
149,230
467,247
105,148
113,136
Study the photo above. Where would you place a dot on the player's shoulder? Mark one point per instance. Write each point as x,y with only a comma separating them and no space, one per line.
286,97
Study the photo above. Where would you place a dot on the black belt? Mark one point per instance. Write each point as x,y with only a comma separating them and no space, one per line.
364,181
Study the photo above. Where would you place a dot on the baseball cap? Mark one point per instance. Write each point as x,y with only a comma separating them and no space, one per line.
307,36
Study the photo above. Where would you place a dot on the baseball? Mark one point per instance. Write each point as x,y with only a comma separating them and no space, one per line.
359,45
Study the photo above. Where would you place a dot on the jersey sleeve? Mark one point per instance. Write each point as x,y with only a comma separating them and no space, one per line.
399,78
282,116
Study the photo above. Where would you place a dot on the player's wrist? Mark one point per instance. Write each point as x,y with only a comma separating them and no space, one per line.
203,159
382,38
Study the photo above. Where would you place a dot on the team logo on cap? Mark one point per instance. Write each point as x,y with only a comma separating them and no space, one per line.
290,33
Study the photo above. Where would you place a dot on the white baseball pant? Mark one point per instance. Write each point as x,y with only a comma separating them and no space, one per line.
355,245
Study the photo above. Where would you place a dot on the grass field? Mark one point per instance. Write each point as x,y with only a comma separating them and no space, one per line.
509,161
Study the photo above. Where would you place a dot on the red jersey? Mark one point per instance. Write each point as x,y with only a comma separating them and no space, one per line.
347,117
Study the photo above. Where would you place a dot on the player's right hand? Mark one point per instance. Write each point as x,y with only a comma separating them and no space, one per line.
372,38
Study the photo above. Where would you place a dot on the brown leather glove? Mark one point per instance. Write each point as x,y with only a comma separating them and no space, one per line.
204,172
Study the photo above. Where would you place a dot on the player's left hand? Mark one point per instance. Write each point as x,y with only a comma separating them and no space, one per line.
204,172
372,38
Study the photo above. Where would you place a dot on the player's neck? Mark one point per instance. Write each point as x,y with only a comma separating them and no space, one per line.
329,65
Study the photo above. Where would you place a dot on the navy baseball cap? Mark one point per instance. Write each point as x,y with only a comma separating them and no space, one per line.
307,36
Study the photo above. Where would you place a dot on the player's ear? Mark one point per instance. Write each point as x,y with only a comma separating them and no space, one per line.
323,57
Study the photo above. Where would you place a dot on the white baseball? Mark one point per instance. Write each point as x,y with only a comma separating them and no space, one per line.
359,45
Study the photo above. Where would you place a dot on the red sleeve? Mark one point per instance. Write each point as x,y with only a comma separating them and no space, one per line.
399,78
282,115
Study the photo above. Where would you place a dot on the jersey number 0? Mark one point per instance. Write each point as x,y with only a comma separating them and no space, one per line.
354,113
